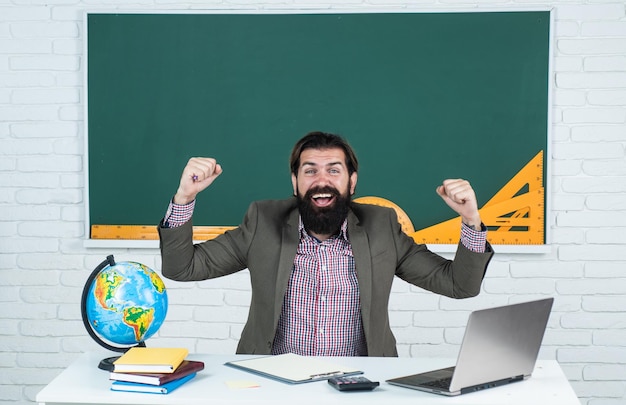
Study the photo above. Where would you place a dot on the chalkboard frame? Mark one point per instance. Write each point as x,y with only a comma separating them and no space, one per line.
502,248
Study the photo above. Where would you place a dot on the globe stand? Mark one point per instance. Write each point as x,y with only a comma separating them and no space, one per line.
107,363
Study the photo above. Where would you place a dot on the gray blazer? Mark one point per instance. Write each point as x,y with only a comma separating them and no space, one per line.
266,243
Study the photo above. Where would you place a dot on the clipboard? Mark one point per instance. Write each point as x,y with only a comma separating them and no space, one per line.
292,368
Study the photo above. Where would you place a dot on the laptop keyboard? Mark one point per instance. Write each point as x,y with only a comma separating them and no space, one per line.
442,383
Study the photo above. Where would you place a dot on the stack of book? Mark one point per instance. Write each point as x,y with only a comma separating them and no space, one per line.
153,370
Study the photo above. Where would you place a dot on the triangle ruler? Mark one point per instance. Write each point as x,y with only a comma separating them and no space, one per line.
514,216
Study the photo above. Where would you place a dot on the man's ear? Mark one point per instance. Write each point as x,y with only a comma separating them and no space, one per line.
294,184
353,179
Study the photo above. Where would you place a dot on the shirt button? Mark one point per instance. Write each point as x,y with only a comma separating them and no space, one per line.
323,298
324,268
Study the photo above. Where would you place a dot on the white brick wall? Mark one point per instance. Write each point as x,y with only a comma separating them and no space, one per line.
43,263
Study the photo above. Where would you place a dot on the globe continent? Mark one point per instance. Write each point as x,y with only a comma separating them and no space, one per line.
126,303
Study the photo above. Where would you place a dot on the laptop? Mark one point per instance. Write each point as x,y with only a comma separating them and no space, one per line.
500,346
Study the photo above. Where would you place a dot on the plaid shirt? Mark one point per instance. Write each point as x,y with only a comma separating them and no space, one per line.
321,314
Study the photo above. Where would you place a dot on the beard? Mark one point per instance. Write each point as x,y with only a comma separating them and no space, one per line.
323,220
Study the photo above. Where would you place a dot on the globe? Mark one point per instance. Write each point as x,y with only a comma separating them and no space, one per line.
123,304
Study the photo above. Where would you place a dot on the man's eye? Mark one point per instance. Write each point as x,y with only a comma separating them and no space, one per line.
309,171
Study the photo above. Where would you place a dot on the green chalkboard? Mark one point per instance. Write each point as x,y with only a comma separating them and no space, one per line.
420,96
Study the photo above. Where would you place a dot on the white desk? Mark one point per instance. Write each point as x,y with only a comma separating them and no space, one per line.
83,383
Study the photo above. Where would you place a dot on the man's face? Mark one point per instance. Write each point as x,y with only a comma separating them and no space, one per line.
323,187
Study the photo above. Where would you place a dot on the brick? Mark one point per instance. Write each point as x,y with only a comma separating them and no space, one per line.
24,46
589,12
26,79
54,29
7,294
591,219
604,270
594,115
598,133
565,98
51,163
608,202
605,236
45,96
568,202
607,97
195,297
12,147
20,245
569,337
566,167
440,319
237,298
604,372
589,252
597,355
598,321
45,62
29,113
567,64
217,346
603,29
412,302
25,13
45,360
548,269
613,167
54,329
38,196
593,185
20,277
586,389
606,303
203,330
594,80
220,314
565,29
399,319
412,335
615,63
609,337
68,47
29,344
519,286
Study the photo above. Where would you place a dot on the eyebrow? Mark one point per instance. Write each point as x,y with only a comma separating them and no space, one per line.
337,163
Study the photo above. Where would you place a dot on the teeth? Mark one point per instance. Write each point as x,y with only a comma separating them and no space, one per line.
322,195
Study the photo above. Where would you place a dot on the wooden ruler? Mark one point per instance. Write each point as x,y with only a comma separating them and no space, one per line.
145,232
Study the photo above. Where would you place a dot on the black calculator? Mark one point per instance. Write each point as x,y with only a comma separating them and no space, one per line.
354,383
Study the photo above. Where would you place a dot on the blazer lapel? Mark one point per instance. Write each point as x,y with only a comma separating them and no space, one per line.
289,246
363,263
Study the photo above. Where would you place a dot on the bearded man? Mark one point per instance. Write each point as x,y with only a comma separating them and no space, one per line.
321,266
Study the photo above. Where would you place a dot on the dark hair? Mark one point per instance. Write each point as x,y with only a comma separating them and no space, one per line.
322,140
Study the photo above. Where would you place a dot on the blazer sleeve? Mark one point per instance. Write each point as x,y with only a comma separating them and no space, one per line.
184,260
460,277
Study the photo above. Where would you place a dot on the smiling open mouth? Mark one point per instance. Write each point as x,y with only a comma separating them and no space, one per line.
323,199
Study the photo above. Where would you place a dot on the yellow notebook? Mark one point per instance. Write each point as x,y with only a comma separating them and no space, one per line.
150,360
